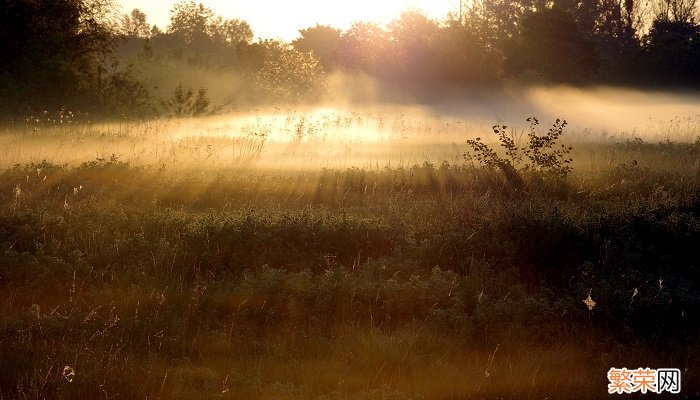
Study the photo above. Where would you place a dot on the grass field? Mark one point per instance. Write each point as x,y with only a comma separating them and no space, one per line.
339,255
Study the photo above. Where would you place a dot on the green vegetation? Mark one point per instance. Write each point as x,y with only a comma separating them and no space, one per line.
124,279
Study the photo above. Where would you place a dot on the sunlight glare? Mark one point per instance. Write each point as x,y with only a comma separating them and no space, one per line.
283,19
289,17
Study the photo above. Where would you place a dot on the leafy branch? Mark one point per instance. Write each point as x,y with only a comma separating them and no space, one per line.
544,154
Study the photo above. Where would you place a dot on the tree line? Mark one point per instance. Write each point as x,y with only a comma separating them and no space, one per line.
85,55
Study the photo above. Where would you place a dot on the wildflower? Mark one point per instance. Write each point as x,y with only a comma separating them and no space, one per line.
35,311
68,373
18,192
588,301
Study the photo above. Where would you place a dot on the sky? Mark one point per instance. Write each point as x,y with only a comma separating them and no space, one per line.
279,19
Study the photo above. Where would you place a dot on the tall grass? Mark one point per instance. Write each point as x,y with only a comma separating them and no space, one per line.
193,276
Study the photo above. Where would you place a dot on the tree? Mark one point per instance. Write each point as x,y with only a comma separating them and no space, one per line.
156,31
264,50
196,34
363,47
551,44
195,23
191,22
497,21
616,35
672,52
323,41
184,103
464,57
411,46
232,32
53,52
124,95
295,76
676,10
134,24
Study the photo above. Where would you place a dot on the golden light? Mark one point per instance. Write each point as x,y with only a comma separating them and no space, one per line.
283,19
290,16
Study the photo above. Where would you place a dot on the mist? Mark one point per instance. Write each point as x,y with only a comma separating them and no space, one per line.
355,127
501,204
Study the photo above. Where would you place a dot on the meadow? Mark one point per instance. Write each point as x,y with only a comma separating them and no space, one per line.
332,254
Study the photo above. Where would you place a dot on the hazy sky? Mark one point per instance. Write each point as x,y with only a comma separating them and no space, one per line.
282,19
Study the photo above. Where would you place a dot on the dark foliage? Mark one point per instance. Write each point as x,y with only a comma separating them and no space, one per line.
672,53
77,53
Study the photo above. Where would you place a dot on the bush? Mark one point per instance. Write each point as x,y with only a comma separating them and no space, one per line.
545,157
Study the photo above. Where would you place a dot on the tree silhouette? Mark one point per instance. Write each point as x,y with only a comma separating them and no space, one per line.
615,33
134,24
70,52
551,44
191,22
411,47
672,52
231,32
676,10
183,102
363,47
294,76
323,41
198,36
52,51
464,57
